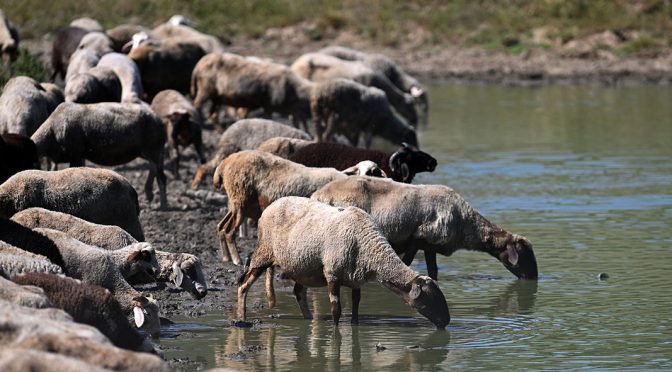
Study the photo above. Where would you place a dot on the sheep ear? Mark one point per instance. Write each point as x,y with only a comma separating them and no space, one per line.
405,173
415,291
177,275
512,254
138,316
350,171
126,48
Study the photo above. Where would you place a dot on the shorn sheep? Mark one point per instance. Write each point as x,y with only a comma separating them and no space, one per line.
246,134
401,165
107,133
433,218
253,180
183,269
25,104
183,125
344,248
96,195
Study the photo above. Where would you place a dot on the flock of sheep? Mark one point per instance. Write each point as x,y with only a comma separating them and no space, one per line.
328,213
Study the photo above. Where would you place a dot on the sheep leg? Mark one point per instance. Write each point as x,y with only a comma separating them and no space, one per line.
270,291
230,234
430,260
251,276
335,300
149,183
410,255
301,294
356,295
221,228
175,160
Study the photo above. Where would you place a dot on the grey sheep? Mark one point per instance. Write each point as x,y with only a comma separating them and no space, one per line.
318,245
253,180
106,133
97,266
128,73
9,41
236,81
98,84
28,295
78,299
321,67
434,218
183,125
246,134
183,269
283,147
386,66
166,64
356,111
179,29
26,104
96,195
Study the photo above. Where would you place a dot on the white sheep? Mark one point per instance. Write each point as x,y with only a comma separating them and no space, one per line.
318,245
179,28
434,218
96,195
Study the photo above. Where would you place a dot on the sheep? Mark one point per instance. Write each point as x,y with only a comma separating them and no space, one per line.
98,84
64,45
252,180
236,81
17,153
166,64
25,104
78,299
98,42
434,218
19,359
9,41
181,268
128,73
246,134
96,195
344,248
283,147
386,66
346,107
106,133
97,266
401,165
321,67
183,125
29,296
82,60
178,28
15,261
88,24
123,33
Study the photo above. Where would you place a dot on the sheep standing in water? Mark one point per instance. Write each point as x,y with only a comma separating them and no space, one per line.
318,245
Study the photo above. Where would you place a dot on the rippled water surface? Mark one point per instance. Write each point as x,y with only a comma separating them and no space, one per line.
584,172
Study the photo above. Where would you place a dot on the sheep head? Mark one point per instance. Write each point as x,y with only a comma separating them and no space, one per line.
146,315
424,295
143,259
409,160
180,130
188,275
518,257
365,168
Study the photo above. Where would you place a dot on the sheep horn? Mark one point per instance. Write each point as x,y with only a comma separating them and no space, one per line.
392,159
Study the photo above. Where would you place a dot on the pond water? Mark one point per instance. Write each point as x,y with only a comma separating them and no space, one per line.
584,172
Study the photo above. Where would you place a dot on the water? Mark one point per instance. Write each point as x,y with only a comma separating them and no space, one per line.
584,172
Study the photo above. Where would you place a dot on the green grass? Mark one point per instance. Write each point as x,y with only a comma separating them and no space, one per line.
488,23
25,65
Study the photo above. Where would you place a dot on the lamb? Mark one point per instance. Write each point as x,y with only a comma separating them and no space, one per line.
178,28
107,133
79,299
9,41
183,125
181,268
252,180
322,67
401,165
345,248
97,266
96,195
26,104
123,33
64,45
18,153
283,147
166,64
434,218
128,73
386,66
246,134
236,81
349,108
98,84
